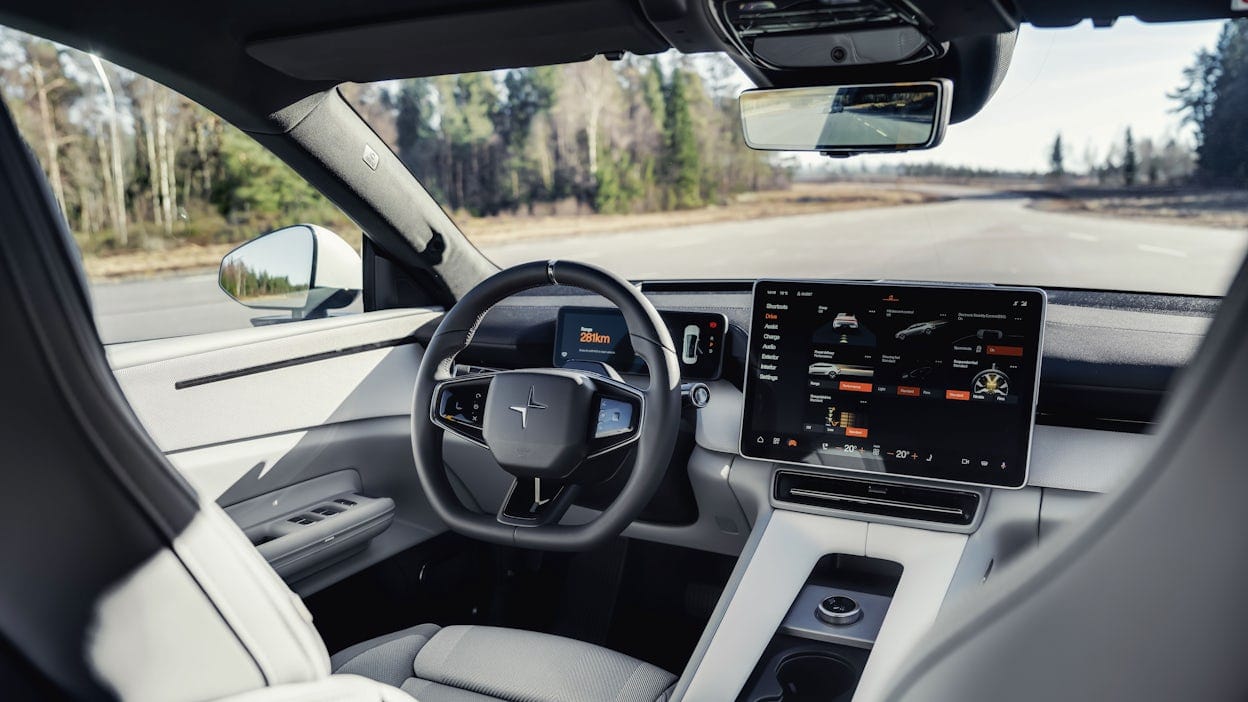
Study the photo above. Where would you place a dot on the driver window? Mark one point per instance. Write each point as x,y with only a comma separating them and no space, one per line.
157,191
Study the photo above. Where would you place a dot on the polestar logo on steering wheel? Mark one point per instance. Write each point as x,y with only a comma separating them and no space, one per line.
524,409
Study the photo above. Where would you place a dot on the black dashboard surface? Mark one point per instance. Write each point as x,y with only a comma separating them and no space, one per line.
1108,357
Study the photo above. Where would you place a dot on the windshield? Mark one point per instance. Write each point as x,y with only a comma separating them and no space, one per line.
1108,159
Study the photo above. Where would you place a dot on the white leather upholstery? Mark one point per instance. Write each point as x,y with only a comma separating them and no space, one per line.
204,620
492,664
335,688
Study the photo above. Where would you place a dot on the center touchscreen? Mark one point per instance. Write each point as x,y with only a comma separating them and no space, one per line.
926,381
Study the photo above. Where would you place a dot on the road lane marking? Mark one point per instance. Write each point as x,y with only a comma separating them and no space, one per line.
1080,236
1162,250
877,131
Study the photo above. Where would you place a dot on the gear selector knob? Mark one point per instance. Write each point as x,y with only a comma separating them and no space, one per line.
838,610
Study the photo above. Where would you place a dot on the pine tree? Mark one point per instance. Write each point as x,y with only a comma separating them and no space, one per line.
1130,164
1056,166
416,139
683,167
652,90
530,95
1215,100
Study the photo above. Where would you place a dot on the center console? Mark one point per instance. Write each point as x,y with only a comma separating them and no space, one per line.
882,415
821,647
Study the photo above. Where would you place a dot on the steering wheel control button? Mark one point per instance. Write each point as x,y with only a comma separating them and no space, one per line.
459,406
838,610
615,417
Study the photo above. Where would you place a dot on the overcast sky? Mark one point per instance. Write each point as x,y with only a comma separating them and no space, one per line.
1089,84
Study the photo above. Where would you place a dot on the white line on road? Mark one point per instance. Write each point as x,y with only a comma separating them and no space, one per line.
1164,251
1080,236
877,131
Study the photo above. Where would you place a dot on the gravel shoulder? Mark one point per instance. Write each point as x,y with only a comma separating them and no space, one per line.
1224,208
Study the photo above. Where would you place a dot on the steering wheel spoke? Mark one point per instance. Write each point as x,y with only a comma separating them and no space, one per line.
535,502
459,406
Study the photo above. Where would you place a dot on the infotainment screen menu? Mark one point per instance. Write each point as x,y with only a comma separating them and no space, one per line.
935,382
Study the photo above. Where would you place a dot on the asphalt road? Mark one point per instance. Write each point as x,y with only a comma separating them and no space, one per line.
980,237
849,128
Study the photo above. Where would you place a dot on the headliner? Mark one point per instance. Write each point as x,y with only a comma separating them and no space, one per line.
248,59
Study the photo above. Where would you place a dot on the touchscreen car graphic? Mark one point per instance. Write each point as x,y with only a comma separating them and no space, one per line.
845,320
991,382
689,350
840,370
917,374
925,328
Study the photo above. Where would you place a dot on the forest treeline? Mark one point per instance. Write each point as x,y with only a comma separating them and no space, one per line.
614,137
1214,100
137,166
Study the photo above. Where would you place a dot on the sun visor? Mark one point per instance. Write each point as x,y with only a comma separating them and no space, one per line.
509,36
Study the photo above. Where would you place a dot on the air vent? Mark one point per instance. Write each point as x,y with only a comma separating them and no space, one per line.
878,498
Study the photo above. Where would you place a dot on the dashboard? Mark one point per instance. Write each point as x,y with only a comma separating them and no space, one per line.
937,382
1108,361
934,382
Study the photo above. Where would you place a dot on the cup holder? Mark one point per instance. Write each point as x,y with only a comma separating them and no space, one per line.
811,677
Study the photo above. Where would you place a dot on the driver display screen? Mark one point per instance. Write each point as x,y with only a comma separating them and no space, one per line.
925,381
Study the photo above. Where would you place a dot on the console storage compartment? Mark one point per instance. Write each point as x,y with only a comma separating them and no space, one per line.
798,670
822,645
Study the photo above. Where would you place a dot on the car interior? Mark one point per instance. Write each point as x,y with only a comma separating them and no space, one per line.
550,483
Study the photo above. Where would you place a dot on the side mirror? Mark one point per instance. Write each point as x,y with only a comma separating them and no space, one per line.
842,120
304,268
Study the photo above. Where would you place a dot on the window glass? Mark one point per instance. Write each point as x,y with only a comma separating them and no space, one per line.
155,189
1107,159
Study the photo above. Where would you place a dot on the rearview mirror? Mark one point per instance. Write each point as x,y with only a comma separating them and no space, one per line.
304,268
847,119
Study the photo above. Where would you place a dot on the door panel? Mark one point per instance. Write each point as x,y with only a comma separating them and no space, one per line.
275,422
213,388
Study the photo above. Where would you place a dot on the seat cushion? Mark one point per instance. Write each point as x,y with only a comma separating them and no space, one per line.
488,664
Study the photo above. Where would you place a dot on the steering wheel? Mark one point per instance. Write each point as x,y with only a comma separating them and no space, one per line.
551,429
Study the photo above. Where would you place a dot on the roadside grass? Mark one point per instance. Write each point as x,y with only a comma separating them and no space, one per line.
203,252
800,198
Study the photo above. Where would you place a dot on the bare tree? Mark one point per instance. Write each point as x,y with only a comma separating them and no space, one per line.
594,88
44,87
165,150
146,99
118,188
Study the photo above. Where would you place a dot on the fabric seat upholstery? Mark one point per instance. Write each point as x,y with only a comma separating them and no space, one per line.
491,664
